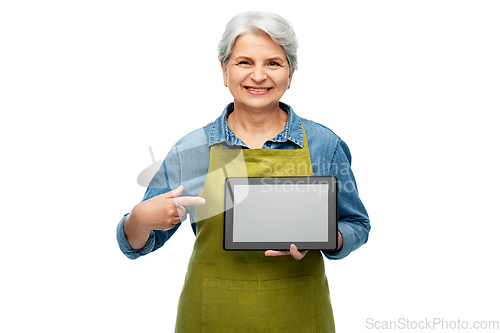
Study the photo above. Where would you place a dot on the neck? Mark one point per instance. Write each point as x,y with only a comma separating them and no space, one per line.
255,127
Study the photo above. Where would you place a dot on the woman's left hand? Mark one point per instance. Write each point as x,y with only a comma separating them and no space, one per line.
294,252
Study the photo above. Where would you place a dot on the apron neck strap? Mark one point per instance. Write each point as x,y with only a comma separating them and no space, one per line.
304,139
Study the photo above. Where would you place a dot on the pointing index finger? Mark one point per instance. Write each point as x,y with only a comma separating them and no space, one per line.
184,201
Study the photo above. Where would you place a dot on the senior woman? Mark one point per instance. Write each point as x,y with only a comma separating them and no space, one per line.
248,291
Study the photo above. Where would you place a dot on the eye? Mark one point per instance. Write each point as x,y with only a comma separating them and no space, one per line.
243,62
274,64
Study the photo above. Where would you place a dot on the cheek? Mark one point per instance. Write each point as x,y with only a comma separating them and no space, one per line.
235,73
282,80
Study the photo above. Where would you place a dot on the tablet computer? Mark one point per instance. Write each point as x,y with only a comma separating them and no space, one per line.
270,213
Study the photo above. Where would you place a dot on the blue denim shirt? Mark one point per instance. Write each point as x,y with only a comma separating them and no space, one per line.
188,161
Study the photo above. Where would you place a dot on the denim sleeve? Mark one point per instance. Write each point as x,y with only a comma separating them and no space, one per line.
354,224
165,179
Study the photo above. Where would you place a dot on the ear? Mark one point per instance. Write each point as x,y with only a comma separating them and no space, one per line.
224,71
290,77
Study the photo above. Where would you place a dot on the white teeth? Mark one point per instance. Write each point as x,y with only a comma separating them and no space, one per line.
253,89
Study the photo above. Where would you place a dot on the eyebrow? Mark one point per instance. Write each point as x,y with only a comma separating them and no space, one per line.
275,58
270,59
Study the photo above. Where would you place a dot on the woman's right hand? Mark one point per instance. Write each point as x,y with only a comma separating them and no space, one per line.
161,212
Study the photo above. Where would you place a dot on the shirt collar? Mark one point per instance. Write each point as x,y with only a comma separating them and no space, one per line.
220,131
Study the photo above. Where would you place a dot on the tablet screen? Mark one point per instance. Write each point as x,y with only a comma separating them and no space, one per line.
279,213
270,213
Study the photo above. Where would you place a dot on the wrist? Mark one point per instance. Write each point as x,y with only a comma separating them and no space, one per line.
135,233
340,240
134,220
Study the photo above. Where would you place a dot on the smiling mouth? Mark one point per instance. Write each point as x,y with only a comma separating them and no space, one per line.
257,89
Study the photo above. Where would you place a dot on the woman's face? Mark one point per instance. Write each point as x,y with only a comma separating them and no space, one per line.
257,73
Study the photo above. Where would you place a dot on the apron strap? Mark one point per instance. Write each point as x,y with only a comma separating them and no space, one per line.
217,146
304,139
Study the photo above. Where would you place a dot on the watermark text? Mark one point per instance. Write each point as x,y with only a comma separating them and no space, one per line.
431,324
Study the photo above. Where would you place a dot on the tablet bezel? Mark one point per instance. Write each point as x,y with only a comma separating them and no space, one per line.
230,245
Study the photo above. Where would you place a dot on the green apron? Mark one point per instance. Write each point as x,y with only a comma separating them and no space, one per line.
245,291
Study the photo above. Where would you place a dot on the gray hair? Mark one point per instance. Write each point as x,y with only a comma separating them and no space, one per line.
279,29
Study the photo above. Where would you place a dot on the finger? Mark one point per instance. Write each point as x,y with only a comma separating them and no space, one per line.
181,211
183,201
174,221
273,253
175,193
294,251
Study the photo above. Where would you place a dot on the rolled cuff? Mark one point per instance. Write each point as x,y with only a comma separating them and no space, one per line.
348,243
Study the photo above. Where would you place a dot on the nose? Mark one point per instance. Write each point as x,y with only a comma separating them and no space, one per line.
258,74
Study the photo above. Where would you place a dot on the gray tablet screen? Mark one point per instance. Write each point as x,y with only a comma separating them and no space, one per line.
281,213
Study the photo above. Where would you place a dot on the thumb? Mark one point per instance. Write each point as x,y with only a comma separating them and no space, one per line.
175,193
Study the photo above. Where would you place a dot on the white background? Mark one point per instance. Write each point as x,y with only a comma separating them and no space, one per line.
87,86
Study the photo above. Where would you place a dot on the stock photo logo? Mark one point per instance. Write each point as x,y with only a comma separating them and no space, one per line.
146,175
